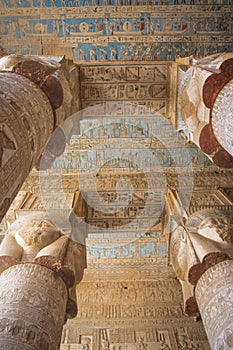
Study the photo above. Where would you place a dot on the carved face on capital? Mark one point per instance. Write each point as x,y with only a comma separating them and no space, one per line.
37,233
218,228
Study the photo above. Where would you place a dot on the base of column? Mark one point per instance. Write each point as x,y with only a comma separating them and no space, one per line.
32,308
214,295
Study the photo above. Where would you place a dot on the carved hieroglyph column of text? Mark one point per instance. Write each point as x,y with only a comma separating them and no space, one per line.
32,308
214,295
26,122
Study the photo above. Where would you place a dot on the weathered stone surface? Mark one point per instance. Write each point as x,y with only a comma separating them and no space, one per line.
201,90
34,101
6,261
37,239
34,69
215,298
26,122
53,90
32,308
129,297
223,159
208,141
215,82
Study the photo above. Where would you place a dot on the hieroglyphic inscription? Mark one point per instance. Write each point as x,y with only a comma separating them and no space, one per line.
122,248
185,336
99,30
141,85
32,315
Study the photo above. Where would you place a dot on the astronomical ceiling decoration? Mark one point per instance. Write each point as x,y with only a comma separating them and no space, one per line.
116,30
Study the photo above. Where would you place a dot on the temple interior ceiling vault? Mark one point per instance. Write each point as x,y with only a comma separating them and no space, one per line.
115,171
123,153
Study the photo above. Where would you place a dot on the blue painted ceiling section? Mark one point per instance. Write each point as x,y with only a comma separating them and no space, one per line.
122,30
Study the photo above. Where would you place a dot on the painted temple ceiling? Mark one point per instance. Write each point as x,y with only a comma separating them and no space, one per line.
123,155
119,161
116,30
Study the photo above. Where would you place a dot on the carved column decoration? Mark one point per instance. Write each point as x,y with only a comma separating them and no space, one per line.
214,295
194,250
35,98
32,308
205,106
26,122
196,243
40,268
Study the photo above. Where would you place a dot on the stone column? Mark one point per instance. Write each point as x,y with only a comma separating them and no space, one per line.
197,243
214,296
36,95
32,308
26,122
204,104
222,117
39,270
